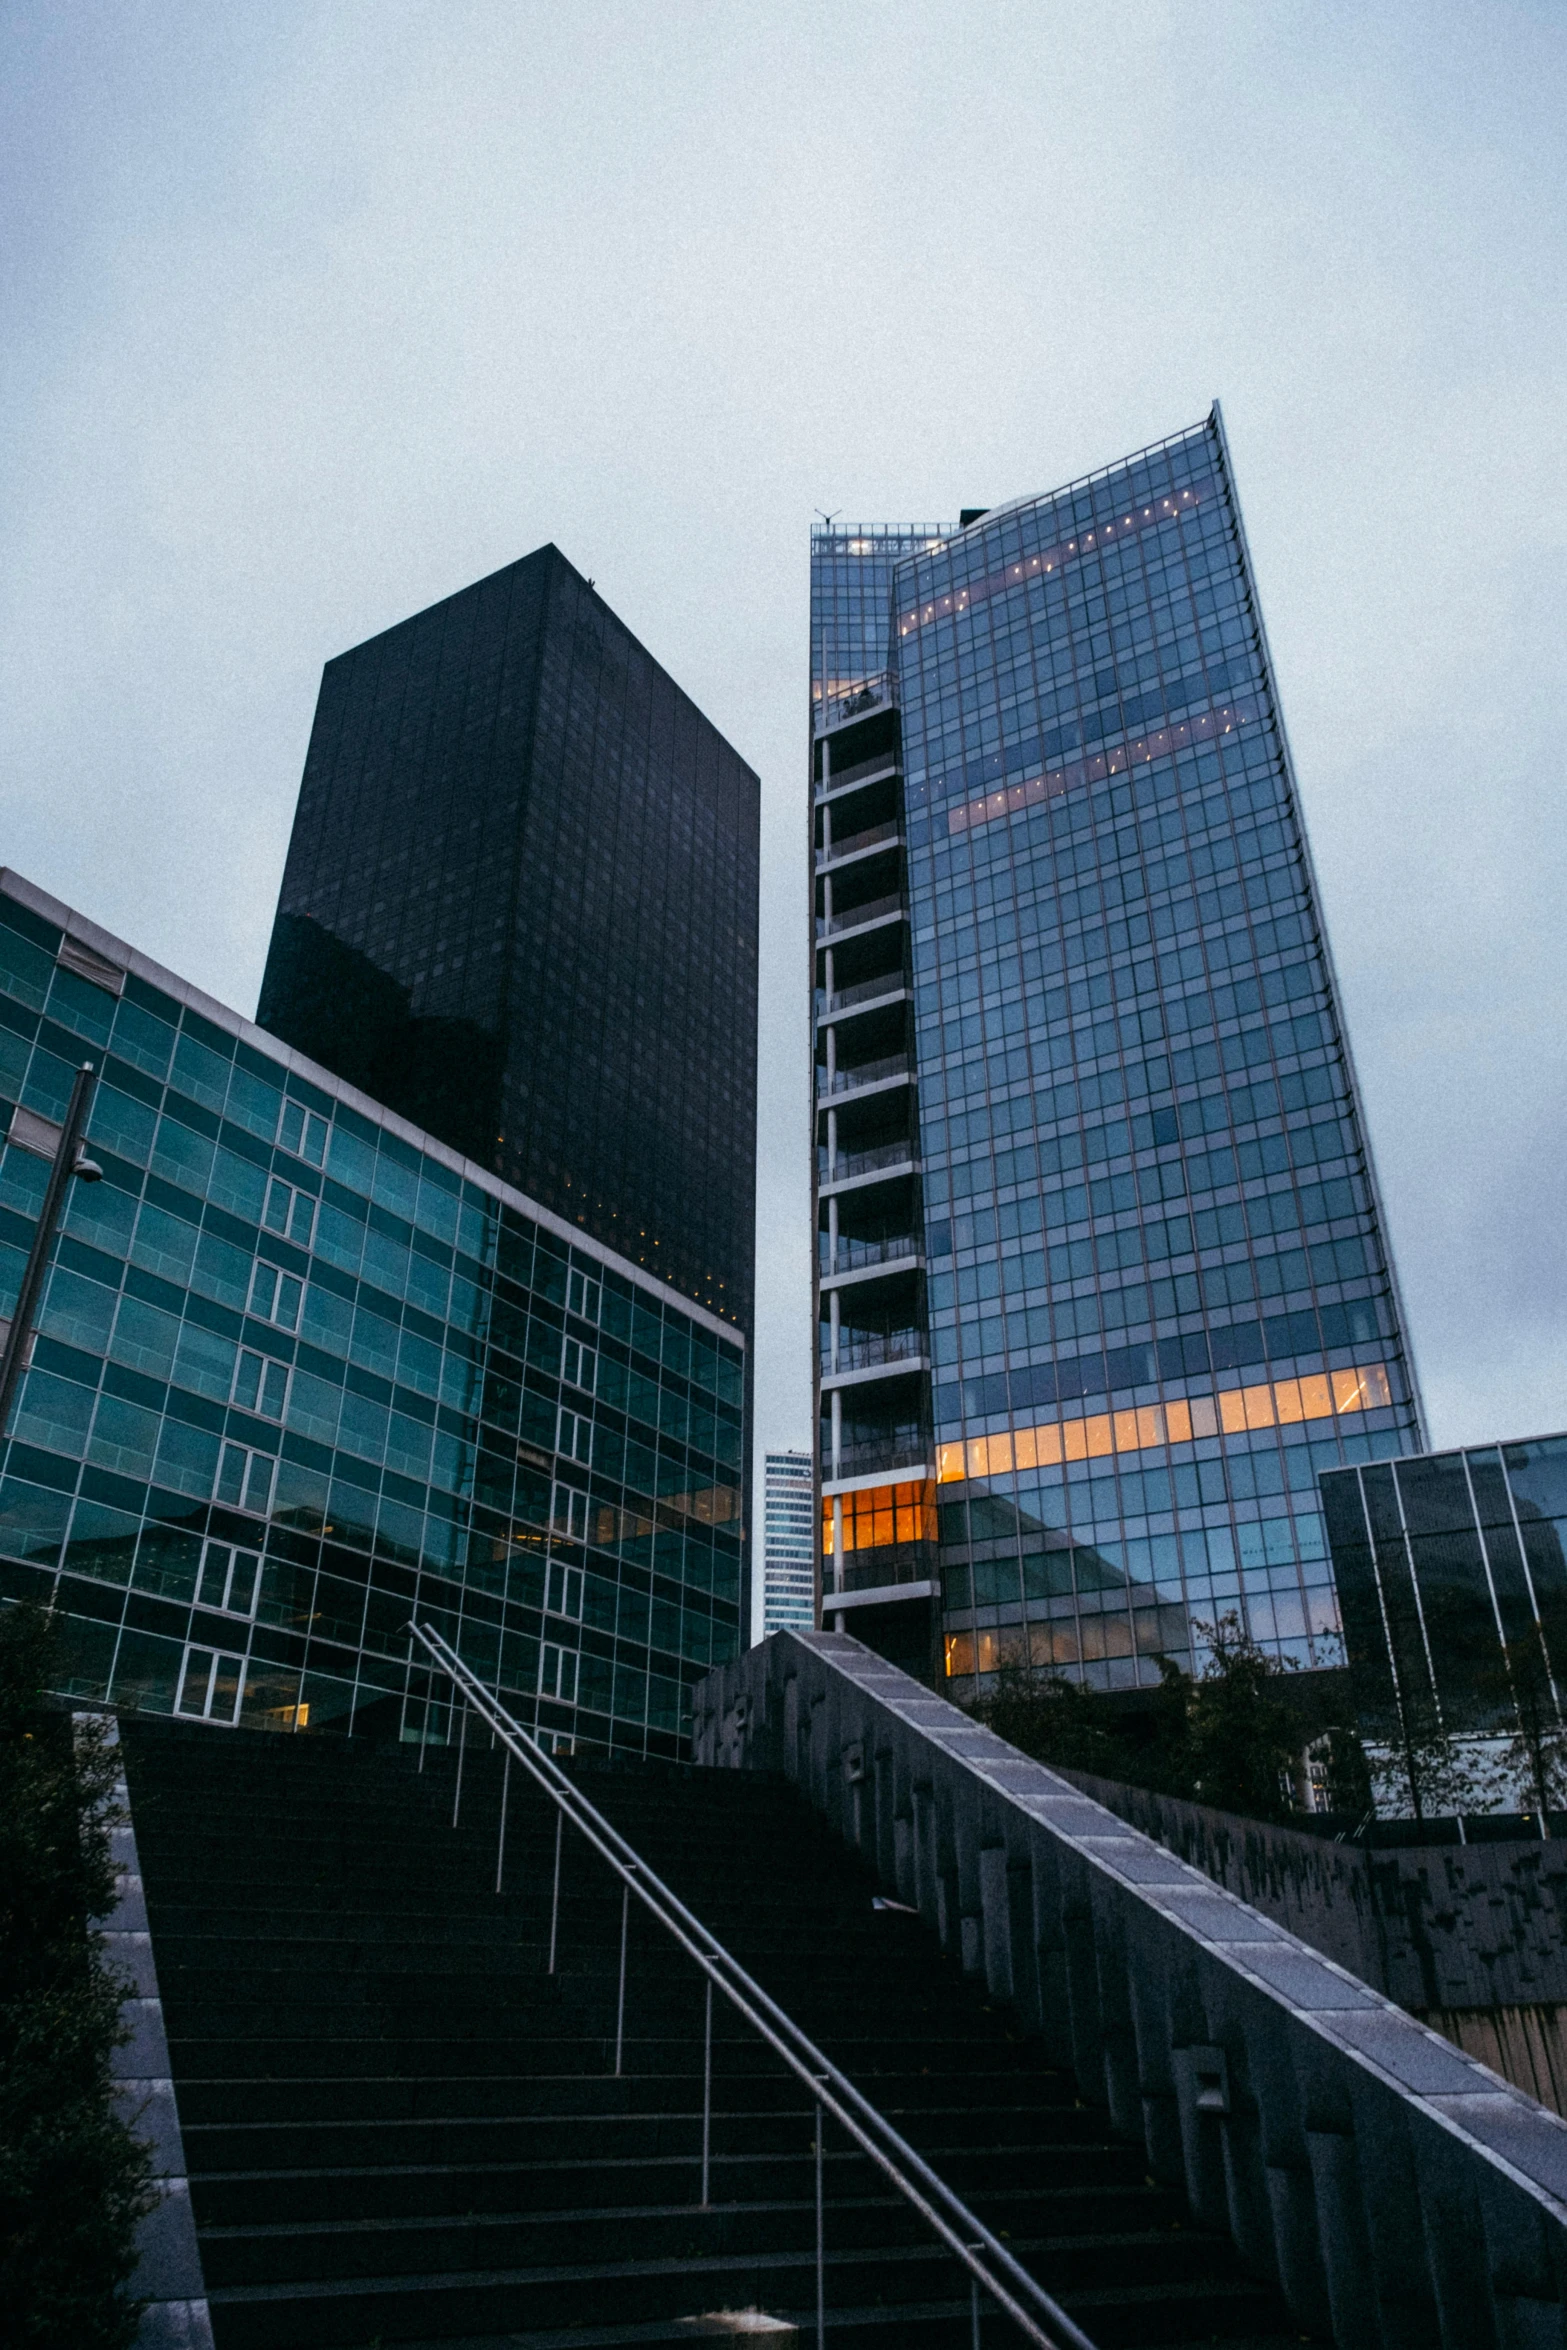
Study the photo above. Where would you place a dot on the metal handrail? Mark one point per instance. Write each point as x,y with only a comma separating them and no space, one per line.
844,779
863,1073
853,916
862,1350
863,991
987,2260
853,699
850,1163
882,1453
853,1256
853,843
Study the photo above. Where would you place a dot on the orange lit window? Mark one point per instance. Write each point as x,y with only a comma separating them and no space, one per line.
883,1515
1281,1402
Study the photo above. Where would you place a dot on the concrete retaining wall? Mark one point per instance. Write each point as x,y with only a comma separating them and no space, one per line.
1398,2192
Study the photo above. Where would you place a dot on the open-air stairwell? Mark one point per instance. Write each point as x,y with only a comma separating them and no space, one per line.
402,2127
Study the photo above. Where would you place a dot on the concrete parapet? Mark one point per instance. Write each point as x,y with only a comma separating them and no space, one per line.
168,2278
1397,2191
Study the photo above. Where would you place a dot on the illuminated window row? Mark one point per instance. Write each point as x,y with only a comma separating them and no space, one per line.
887,1513
1054,558
1049,1646
1056,781
1280,1403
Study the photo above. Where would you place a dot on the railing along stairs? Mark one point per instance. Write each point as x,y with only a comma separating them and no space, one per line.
993,2272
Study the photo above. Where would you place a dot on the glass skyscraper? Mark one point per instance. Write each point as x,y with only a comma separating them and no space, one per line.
520,908
1101,1279
303,1372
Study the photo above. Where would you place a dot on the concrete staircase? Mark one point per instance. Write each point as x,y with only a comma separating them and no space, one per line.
403,2129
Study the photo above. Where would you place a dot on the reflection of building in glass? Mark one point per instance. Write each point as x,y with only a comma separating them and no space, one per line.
1453,1586
1101,1286
520,908
788,1541
303,1372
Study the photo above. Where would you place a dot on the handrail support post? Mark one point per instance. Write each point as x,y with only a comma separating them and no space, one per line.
462,1750
560,1823
620,2003
821,2246
707,2094
1015,2294
500,1849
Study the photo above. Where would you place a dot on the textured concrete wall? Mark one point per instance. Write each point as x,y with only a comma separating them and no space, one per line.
1400,2193
1320,1891
1473,1925
1436,1927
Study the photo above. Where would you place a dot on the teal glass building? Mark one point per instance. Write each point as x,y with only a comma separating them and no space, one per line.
1102,1281
302,1372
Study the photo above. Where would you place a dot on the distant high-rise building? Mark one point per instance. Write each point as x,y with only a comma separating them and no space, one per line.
788,1541
1101,1280
520,908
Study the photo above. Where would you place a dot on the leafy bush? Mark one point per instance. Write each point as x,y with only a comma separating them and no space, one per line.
1226,1738
74,2179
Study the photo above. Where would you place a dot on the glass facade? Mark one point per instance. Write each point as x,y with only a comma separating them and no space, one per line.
1452,1579
520,907
1102,1285
788,1541
302,1371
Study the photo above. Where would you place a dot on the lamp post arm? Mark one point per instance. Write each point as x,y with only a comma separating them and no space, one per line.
31,1293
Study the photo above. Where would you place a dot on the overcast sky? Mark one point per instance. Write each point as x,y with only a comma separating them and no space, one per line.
315,313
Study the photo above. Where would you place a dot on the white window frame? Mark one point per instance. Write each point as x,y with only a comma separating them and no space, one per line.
292,1194
574,1435
584,1295
569,1512
199,1672
558,1672
312,1126
563,1590
268,1363
249,1454
287,1288
579,1363
228,1559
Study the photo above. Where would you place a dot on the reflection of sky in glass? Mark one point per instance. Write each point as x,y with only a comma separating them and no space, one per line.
1443,1563
1158,1296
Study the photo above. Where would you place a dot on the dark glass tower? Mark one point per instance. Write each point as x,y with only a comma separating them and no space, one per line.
1102,1284
1452,1576
520,908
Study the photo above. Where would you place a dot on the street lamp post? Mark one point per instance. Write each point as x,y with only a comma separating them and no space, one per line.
70,1160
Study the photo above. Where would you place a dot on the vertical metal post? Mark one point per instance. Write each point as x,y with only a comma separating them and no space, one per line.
500,1849
973,2286
68,1155
560,1822
462,1749
620,2004
821,2248
707,2092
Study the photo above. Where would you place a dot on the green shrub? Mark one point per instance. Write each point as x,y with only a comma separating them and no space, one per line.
1226,1738
74,2179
